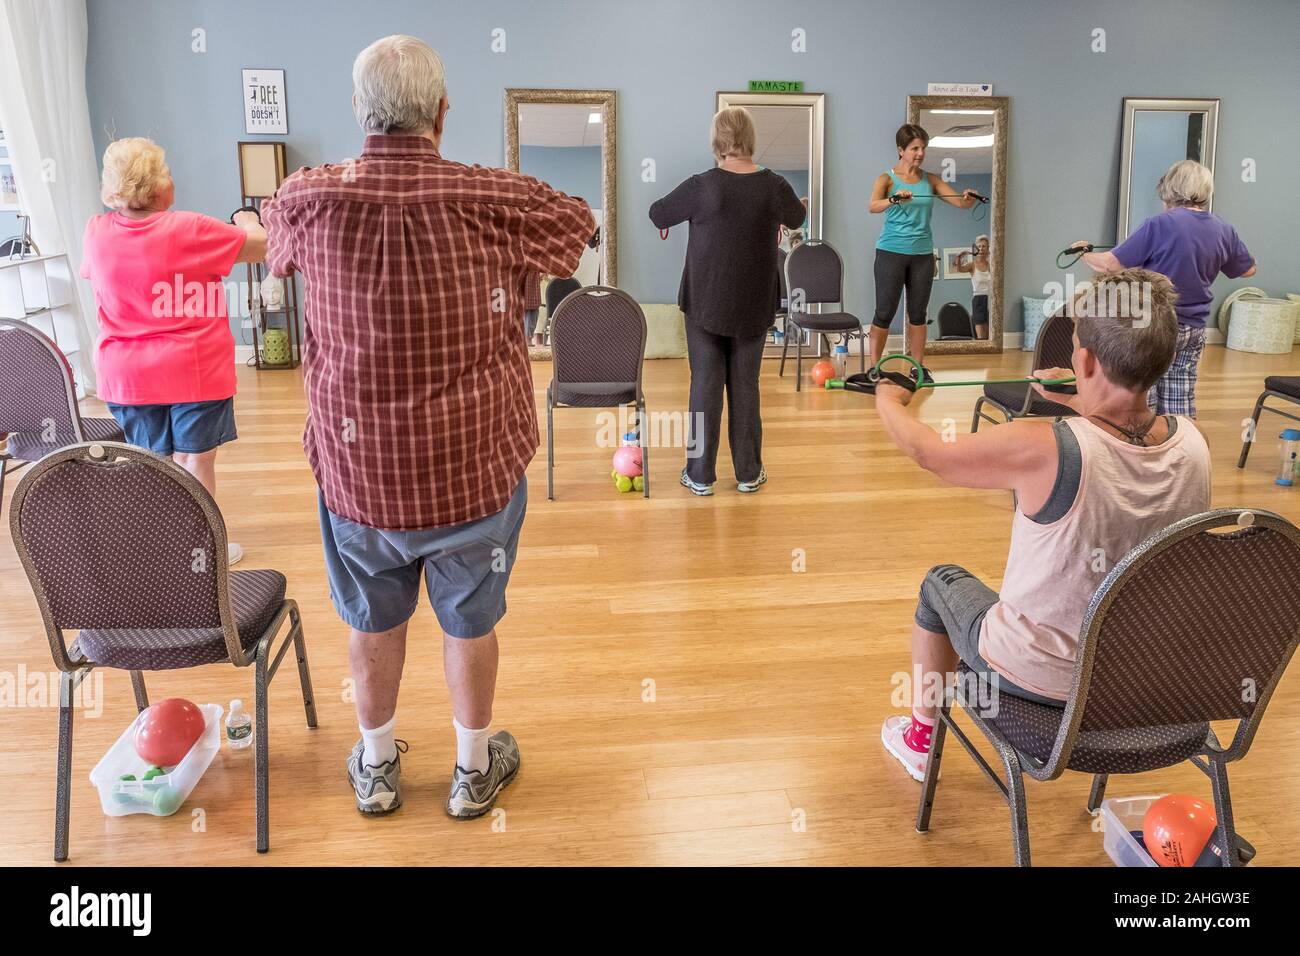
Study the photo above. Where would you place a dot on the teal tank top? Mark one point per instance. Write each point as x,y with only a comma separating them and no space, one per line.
907,224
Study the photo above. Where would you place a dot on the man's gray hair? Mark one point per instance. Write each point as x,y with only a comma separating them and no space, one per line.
397,84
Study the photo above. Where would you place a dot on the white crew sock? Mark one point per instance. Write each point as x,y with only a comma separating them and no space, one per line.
380,747
472,747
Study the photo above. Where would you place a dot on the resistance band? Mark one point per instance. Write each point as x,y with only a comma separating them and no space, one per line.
977,211
1060,385
1079,253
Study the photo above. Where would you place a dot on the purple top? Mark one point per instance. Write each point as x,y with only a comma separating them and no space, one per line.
1191,247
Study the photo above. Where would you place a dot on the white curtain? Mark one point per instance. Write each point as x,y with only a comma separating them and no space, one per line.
46,119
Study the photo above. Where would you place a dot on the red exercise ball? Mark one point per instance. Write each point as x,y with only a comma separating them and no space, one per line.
1176,829
167,730
822,372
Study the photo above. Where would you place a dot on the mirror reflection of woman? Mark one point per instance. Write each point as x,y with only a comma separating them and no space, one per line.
905,194
730,293
977,266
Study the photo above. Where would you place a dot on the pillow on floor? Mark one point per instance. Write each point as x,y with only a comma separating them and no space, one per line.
665,331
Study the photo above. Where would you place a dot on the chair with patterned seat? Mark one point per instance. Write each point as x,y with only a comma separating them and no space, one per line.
38,401
129,549
598,341
1195,624
814,275
1053,349
1284,387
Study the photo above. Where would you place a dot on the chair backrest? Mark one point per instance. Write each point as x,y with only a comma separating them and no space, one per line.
1055,345
557,290
954,322
37,391
814,273
598,334
1192,625
112,536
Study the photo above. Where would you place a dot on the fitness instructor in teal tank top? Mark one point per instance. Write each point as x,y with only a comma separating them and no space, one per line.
905,250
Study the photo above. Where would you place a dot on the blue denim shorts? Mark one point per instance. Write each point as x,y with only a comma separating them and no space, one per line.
187,427
374,574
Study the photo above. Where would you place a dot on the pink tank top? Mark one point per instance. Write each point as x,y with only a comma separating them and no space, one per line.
1126,494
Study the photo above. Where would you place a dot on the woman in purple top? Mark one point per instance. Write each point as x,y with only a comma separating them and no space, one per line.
1191,247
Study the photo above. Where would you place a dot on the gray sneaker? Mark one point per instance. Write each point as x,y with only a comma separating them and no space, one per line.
378,789
749,487
473,793
695,487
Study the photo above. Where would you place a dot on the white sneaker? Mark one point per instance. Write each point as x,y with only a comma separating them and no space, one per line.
891,735
234,554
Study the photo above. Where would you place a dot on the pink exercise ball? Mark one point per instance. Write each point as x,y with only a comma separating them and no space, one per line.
627,460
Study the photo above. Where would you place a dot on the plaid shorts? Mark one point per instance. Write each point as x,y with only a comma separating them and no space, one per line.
1175,393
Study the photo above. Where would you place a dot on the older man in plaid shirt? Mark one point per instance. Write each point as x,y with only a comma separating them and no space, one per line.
421,418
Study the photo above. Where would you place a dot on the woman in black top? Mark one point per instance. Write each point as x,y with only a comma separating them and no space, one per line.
730,293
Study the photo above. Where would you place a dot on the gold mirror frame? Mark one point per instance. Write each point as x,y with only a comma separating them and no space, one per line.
607,100
1001,107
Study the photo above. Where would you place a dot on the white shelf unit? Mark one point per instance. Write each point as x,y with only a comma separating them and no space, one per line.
39,290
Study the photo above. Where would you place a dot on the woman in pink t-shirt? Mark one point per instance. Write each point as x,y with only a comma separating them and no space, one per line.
166,358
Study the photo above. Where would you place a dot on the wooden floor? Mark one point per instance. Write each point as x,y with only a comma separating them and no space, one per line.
761,744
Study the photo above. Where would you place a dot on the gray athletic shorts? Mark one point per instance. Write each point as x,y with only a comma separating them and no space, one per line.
954,602
374,574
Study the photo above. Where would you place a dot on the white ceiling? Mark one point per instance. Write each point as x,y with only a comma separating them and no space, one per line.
782,136
975,160
558,124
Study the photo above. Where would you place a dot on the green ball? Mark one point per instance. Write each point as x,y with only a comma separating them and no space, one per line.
127,776
154,772
623,483
167,801
638,483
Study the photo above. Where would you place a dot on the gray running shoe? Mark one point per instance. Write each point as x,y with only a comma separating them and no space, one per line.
749,487
695,487
378,789
473,793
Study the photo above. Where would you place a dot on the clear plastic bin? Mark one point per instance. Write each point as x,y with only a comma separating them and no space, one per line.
1119,816
163,795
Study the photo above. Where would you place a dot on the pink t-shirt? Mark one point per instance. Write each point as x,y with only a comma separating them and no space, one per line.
164,338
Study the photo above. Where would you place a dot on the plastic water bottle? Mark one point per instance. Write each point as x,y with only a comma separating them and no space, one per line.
239,727
840,359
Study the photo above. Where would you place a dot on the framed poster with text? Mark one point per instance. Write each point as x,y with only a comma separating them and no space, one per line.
266,108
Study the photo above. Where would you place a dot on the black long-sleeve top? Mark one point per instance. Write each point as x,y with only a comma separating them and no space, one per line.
730,284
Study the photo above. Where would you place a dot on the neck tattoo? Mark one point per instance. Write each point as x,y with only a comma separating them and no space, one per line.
1132,433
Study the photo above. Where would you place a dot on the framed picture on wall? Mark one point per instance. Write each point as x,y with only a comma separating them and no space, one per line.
266,105
950,257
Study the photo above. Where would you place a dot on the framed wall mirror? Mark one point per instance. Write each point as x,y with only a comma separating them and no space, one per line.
790,140
569,139
967,150
1156,134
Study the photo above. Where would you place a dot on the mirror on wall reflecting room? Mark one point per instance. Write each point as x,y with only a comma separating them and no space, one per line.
967,150
789,136
1156,134
567,138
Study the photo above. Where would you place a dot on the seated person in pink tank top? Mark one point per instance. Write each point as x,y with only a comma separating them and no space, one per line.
1088,489
165,359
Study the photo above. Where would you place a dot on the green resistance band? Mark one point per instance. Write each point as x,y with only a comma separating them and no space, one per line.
1078,254
839,383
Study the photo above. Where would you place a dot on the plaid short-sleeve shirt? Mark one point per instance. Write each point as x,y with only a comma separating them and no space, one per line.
419,391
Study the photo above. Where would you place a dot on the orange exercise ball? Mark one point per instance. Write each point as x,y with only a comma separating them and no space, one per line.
1176,829
167,730
822,372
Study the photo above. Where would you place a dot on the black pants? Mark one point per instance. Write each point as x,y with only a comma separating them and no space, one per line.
894,271
979,310
718,362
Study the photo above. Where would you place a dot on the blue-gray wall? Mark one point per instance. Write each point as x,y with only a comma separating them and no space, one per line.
571,169
667,59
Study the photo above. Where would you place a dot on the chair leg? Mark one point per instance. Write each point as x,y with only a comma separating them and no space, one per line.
141,695
798,362
304,672
262,755
785,347
63,778
645,450
1016,803
1097,792
975,419
862,352
1226,832
1245,445
550,447
931,782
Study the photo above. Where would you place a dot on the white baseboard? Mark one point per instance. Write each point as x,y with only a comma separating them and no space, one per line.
243,354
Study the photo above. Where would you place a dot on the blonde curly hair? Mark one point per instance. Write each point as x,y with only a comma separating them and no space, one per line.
135,171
